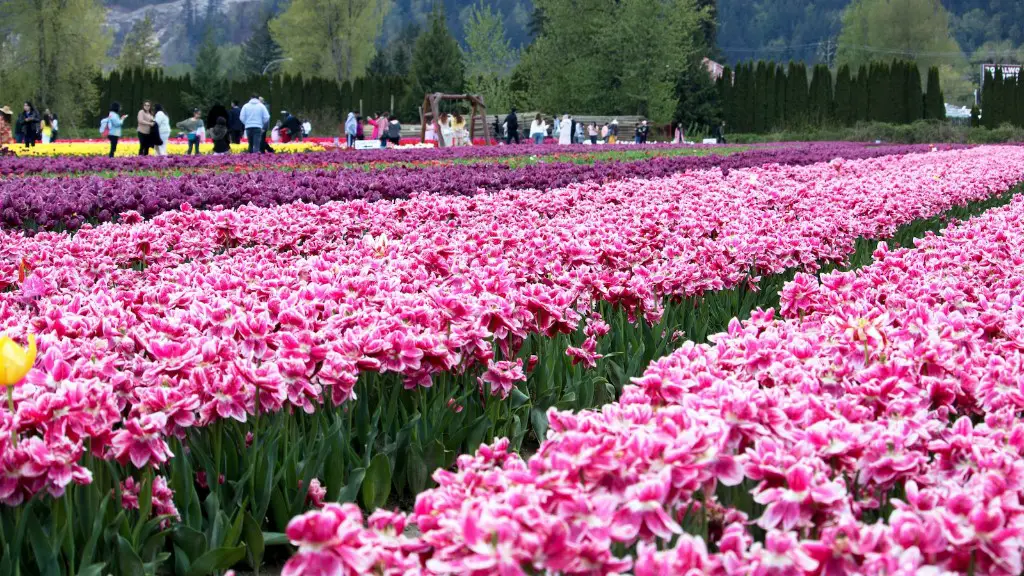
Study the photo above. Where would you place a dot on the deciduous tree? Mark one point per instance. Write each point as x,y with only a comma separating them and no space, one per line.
52,52
612,57
330,38
916,30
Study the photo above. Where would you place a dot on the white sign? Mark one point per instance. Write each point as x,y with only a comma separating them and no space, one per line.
367,144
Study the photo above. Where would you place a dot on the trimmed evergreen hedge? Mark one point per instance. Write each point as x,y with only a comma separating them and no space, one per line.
765,97
305,96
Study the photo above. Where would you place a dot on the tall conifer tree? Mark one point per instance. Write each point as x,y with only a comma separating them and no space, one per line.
915,96
844,96
935,107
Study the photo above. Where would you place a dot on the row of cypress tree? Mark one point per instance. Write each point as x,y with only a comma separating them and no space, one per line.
767,96
1002,99
302,96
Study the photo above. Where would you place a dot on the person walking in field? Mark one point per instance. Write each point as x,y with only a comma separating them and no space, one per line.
351,127
50,119
163,129
254,116
54,122
512,127
718,133
394,132
382,125
592,132
538,129
145,128
565,131
496,130
111,126
29,125
45,130
640,133
192,128
235,122
444,126
459,129
375,127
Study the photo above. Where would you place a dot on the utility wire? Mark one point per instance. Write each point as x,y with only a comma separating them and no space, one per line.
863,49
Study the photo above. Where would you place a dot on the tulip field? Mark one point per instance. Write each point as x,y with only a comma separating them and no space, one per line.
801,359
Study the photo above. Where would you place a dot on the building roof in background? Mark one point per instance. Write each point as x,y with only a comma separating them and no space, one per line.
714,68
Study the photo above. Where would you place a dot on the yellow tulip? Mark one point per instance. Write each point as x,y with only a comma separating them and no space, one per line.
15,361
175,147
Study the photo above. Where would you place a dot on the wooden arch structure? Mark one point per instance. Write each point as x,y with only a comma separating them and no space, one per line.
430,111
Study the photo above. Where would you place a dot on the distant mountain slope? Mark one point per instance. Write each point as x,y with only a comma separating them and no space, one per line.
239,16
778,29
170,26
800,29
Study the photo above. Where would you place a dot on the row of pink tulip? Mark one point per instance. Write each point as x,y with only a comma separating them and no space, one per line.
875,429
149,328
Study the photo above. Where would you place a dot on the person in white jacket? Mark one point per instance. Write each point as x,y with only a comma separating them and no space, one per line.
351,127
254,116
163,128
565,131
538,129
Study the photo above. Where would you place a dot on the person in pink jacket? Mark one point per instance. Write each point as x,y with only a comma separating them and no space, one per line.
375,122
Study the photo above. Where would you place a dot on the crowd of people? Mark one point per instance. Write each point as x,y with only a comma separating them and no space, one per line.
28,127
384,128
452,130
222,126
251,121
567,130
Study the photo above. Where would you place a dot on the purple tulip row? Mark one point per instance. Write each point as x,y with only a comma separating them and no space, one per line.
70,202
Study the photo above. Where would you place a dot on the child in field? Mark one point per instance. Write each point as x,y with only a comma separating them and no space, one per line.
191,128
221,136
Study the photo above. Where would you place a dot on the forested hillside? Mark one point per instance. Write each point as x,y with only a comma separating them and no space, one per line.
775,29
516,15
809,30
